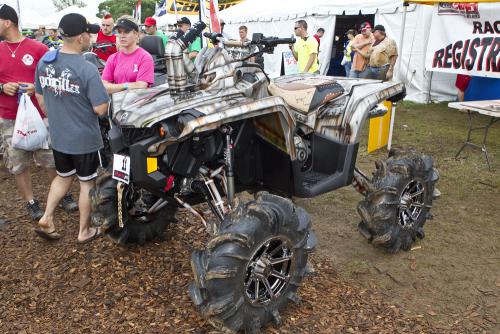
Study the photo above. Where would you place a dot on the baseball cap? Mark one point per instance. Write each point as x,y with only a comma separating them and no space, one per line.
74,24
127,25
379,27
149,21
364,26
184,20
8,13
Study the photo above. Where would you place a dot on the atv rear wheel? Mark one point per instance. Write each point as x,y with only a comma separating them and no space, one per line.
137,228
394,213
251,270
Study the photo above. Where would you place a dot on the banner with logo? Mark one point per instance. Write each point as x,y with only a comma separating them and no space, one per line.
186,7
290,65
465,39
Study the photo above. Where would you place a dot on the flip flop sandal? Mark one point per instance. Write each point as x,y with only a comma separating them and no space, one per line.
50,236
96,235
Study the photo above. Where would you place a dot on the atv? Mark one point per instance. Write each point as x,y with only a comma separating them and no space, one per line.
222,127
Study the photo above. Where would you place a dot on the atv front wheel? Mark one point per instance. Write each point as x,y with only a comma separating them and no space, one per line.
251,270
394,213
136,228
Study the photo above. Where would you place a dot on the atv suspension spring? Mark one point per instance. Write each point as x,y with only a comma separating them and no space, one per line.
229,161
202,188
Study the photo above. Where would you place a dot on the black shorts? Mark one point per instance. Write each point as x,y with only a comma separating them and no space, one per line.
83,165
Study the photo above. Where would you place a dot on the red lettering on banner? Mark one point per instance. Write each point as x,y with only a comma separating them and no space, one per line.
469,64
464,53
484,43
456,55
438,58
447,56
481,54
491,60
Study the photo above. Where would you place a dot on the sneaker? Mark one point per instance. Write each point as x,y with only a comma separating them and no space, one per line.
68,203
34,209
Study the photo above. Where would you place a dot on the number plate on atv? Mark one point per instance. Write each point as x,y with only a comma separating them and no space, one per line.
121,168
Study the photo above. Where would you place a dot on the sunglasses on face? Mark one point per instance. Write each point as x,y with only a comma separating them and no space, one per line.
295,28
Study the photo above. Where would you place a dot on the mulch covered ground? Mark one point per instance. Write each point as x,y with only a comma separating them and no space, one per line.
62,287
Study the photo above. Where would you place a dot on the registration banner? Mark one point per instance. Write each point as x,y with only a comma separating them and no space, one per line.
192,7
465,39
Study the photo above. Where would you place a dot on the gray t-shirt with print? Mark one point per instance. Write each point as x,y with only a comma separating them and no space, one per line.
71,87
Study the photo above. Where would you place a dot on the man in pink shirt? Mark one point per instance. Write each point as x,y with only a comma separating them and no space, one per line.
132,67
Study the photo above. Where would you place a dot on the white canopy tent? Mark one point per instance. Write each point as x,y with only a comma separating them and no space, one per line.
170,19
276,18
31,19
53,20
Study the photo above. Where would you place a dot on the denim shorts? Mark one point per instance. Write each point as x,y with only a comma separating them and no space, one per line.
377,73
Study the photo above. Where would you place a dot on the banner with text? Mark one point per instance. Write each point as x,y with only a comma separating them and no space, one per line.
465,39
186,7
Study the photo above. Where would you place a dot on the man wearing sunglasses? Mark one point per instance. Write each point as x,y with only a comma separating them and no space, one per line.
106,36
305,49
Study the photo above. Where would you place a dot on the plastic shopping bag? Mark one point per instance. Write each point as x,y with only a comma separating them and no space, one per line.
344,61
30,132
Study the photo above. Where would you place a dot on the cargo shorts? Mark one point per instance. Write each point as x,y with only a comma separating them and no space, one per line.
15,160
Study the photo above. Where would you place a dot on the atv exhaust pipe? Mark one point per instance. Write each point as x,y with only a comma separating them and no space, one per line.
179,66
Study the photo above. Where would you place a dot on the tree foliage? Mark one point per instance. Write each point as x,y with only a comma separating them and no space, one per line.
61,4
118,8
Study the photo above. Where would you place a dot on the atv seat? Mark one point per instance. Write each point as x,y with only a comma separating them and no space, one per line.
154,45
305,92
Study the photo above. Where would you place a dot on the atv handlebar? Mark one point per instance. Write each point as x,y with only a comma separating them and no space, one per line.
270,42
192,33
257,39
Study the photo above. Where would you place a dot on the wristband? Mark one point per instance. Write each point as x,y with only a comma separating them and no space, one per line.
1,88
125,86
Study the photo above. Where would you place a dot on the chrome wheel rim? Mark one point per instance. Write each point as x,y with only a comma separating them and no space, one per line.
269,270
411,203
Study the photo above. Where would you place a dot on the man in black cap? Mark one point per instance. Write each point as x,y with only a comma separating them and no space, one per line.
71,92
184,24
381,56
19,58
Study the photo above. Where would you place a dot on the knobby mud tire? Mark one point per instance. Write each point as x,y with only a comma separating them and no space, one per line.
104,199
222,268
382,223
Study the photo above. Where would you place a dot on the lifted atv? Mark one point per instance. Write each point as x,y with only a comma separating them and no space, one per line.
222,127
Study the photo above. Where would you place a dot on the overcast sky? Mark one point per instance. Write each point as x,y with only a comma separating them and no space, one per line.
44,7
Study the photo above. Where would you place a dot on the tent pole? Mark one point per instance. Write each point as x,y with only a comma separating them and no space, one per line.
19,13
429,86
391,126
200,14
401,39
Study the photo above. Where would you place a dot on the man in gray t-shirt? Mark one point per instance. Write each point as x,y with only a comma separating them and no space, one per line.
71,87
71,92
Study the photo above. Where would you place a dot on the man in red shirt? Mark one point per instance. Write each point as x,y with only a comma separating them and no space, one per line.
318,35
19,57
106,36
